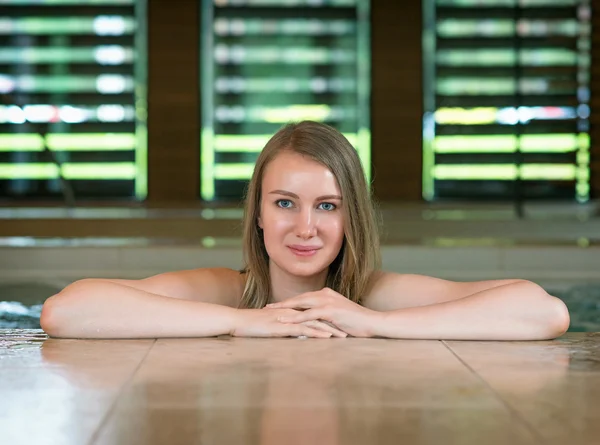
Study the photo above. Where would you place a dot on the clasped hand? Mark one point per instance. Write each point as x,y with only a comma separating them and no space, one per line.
326,305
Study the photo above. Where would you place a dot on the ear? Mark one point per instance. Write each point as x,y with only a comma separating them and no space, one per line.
260,224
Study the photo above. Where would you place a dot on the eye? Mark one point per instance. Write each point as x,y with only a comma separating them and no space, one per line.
329,205
283,203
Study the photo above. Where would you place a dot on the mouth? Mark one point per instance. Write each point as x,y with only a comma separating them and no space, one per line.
303,251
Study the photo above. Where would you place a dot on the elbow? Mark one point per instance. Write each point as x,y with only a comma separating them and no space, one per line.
47,318
551,313
561,320
50,317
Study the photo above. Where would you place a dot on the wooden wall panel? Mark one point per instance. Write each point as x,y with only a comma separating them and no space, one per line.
397,99
173,102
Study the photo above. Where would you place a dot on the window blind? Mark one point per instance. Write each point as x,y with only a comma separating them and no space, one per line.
72,83
506,99
269,62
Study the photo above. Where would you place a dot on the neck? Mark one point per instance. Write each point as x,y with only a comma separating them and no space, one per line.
285,285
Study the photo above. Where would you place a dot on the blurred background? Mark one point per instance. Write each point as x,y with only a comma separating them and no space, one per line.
129,129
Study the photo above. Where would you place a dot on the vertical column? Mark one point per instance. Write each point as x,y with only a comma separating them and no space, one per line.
173,102
595,105
397,100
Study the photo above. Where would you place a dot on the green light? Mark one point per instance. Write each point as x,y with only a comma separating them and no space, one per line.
91,141
141,160
506,172
364,151
467,28
47,55
233,171
559,172
559,143
457,115
97,171
475,144
475,86
68,141
55,84
242,143
294,113
583,140
56,25
480,57
21,142
532,143
475,172
207,156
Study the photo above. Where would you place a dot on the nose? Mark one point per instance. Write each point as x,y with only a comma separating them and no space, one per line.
306,224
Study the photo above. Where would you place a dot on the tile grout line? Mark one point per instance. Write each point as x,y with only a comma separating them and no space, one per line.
539,438
102,423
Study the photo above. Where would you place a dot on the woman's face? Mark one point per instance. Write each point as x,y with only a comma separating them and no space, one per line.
301,208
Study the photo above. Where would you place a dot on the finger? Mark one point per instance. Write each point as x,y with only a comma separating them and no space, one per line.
297,330
311,314
299,302
326,327
311,332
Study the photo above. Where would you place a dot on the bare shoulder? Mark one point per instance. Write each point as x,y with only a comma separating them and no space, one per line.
390,291
217,285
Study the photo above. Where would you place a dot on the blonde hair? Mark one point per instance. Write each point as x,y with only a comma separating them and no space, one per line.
359,255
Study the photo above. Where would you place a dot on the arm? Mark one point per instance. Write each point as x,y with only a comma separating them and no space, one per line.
422,307
520,310
96,308
195,303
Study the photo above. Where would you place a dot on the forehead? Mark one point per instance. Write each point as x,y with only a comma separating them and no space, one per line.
298,173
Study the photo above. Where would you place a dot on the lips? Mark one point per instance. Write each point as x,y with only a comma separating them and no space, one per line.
303,248
304,251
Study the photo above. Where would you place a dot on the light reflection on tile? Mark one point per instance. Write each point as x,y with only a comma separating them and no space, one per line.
292,391
553,385
61,397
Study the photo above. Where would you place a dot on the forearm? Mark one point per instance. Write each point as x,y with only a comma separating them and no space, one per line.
108,310
519,311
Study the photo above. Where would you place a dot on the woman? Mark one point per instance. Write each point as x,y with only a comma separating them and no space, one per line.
312,269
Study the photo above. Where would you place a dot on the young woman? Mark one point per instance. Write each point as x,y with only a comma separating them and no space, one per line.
312,261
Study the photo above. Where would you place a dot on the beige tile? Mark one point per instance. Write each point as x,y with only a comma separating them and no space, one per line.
295,391
440,260
162,259
58,391
554,259
553,385
15,260
51,417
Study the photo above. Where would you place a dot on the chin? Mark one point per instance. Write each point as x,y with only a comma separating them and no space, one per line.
304,270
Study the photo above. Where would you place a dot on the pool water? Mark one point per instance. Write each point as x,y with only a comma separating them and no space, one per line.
14,315
583,302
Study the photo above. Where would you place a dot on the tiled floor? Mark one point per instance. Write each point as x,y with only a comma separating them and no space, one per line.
288,391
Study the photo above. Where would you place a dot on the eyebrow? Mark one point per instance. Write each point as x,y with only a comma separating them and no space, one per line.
293,195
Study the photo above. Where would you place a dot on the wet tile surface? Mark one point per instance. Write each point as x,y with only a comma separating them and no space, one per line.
58,392
335,391
554,386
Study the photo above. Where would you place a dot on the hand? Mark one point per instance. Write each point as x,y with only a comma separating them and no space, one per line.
328,305
265,323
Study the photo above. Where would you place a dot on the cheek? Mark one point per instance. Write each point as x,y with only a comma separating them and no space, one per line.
274,222
275,227
336,226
